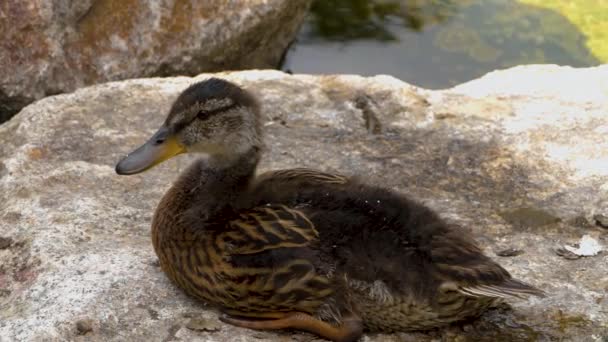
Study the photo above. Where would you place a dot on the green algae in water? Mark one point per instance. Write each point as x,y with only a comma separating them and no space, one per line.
589,16
363,19
434,43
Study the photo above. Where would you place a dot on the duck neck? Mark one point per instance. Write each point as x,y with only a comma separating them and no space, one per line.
215,184
209,187
230,171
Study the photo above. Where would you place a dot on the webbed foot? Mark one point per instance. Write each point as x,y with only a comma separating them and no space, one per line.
350,329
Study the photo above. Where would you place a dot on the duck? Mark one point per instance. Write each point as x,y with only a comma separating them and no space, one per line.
300,248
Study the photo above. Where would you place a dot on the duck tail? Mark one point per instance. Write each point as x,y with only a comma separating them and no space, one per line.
509,288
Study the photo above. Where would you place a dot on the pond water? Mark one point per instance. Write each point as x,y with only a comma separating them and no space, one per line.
441,43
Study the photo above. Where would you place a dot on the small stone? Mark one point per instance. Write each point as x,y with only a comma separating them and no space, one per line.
566,254
84,326
601,220
510,252
203,324
369,111
580,221
5,242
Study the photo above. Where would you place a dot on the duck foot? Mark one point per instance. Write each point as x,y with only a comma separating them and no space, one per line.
350,330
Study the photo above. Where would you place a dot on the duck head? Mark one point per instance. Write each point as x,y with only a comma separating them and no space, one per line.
215,117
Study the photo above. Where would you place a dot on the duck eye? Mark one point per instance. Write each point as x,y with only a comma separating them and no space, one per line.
201,114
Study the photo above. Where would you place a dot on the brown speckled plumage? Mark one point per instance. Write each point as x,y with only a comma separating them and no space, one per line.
302,248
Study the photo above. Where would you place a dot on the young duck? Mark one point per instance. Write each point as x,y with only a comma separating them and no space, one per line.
300,248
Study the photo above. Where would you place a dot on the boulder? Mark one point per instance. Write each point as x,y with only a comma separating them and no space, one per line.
51,47
520,157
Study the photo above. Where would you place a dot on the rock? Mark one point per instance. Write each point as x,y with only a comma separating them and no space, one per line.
81,233
51,47
201,324
509,252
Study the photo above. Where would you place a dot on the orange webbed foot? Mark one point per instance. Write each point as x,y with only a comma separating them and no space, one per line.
350,329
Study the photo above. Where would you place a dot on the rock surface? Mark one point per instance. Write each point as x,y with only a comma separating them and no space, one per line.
519,156
51,47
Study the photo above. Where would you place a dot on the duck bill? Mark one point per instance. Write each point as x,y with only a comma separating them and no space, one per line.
160,147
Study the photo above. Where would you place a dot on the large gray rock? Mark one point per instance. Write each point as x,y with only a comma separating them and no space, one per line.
56,46
519,156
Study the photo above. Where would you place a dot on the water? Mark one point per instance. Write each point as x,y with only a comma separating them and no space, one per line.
433,43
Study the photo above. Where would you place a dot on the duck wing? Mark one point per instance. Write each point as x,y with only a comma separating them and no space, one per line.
370,234
290,186
271,264
302,175
415,257
269,227
374,234
460,262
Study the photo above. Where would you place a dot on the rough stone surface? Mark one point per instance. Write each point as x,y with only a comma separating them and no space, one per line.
55,46
517,156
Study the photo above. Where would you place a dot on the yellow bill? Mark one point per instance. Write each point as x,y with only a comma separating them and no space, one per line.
160,147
